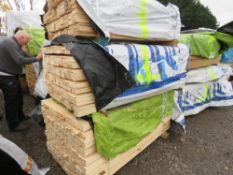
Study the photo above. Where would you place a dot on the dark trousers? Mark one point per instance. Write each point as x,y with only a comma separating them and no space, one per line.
13,100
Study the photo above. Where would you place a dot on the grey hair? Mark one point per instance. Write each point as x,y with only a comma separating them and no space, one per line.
22,34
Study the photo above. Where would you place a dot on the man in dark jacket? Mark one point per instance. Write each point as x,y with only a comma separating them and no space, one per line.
12,59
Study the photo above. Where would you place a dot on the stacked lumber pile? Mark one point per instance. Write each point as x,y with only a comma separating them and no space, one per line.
31,77
66,81
71,142
70,139
67,17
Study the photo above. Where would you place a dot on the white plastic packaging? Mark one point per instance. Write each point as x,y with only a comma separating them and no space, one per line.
21,19
146,19
21,157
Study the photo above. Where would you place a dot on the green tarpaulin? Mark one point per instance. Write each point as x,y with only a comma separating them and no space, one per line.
125,126
207,45
226,40
201,44
37,39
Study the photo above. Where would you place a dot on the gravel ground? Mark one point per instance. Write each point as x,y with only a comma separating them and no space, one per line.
205,149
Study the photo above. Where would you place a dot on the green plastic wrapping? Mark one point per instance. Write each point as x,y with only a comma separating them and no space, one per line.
37,39
125,126
201,44
226,40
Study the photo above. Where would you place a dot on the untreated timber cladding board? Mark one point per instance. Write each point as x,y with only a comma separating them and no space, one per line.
56,50
53,3
31,77
77,100
76,88
56,22
61,112
69,20
71,102
77,29
62,61
74,148
66,73
67,83
120,38
64,7
198,62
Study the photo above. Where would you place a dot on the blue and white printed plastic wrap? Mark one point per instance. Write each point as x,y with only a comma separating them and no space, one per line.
156,69
208,74
194,98
146,19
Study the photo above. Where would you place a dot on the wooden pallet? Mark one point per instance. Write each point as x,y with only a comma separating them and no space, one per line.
198,62
71,142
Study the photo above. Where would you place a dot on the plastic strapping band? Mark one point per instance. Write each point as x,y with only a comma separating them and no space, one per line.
146,65
143,19
164,105
204,95
211,73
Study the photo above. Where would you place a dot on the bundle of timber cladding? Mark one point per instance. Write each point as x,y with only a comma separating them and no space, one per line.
71,142
66,82
67,17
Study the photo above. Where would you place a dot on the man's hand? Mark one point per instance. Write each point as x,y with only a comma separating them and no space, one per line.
40,55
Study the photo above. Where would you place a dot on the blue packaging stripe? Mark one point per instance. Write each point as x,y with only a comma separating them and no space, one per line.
187,108
153,85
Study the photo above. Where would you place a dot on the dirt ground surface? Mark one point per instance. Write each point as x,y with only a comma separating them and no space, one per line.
205,149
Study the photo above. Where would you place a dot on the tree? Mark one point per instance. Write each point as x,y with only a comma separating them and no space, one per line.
5,6
32,4
17,4
194,14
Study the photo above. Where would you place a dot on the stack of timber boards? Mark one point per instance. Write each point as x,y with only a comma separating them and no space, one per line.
31,77
66,81
67,17
198,62
71,142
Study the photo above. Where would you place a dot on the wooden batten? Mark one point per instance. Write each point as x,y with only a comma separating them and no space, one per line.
198,62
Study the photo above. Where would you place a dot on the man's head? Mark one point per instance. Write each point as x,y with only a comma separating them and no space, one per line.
22,37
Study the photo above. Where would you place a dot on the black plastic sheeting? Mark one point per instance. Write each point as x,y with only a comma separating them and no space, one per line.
106,76
227,28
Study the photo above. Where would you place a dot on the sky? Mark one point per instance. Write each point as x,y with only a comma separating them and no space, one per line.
222,9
